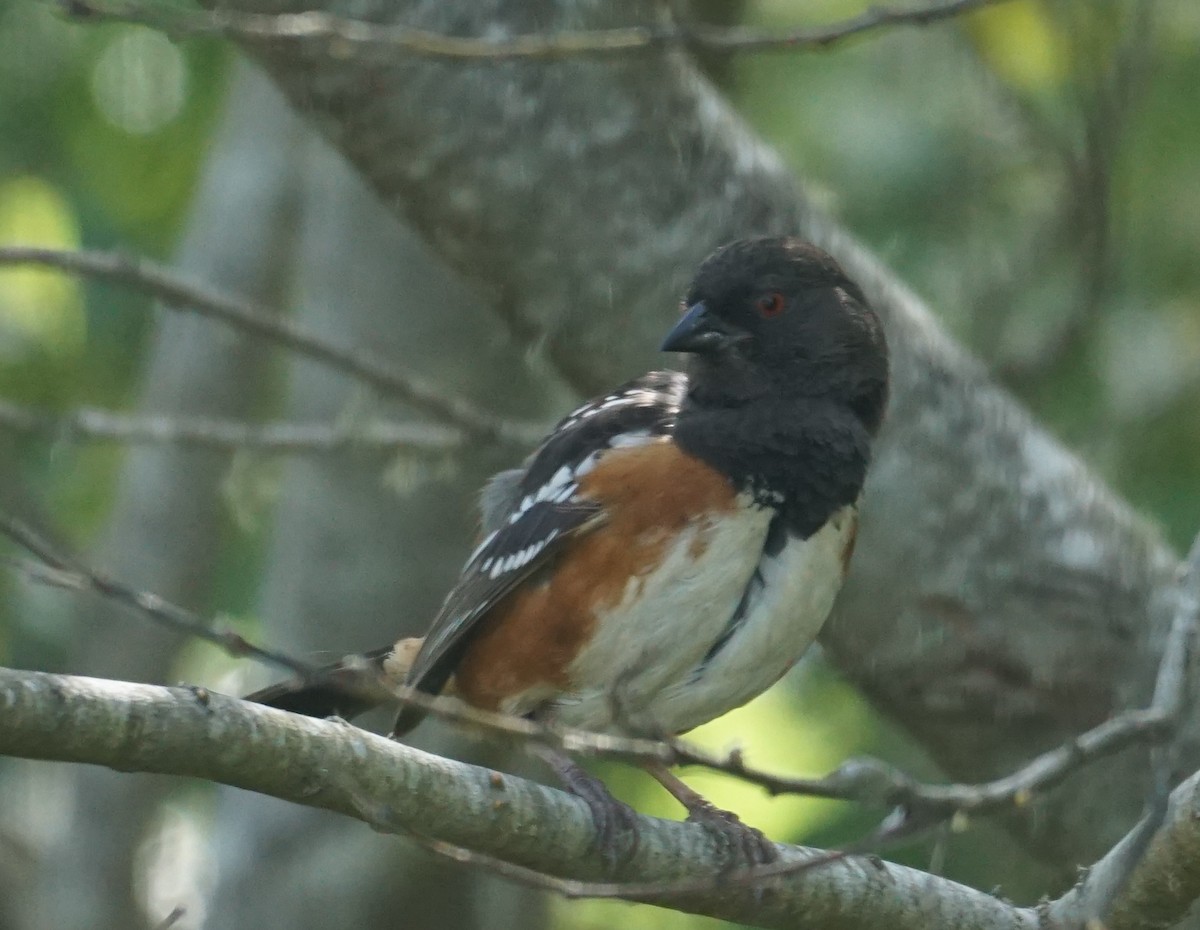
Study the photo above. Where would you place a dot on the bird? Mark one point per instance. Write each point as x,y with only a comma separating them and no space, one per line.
672,548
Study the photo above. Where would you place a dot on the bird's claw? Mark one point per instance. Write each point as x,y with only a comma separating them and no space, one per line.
616,823
743,845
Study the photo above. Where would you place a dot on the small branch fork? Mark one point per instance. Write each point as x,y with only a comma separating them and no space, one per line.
347,36
916,807
177,293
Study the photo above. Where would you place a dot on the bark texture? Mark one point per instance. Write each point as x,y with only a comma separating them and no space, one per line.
328,764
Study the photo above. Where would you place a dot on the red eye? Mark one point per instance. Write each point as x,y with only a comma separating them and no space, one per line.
770,305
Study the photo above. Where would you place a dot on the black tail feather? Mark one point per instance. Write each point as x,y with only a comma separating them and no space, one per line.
345,689
410,715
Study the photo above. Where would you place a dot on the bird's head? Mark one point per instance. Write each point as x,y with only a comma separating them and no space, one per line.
778,316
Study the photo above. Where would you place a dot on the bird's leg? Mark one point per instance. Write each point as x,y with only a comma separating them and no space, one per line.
746,845
615,821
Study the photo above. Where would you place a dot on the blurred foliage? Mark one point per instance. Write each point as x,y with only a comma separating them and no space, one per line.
1030,171
40,309
102,132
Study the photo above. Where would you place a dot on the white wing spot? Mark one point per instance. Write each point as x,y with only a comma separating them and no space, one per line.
557,481
587,464
626,440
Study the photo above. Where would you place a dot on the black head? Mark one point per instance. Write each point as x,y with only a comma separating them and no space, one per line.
778,316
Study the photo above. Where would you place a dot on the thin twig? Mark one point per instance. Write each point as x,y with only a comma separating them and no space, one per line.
867,780
1100,891
347,36
177,914
281,438
633,891
179,294
61,571
873,781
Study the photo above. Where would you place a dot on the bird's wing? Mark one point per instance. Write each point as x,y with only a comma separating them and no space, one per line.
531,518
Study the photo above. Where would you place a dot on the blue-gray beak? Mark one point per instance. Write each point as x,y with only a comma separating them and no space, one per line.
697,331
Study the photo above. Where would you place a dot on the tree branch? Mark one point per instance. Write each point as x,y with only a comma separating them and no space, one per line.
874,781
208,432
178,294
338,767
314,31
1159,891
60,571
524,831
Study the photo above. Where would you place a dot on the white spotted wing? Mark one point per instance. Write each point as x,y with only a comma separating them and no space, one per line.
527,521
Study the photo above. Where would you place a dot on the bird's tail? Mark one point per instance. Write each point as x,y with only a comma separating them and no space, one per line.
344,689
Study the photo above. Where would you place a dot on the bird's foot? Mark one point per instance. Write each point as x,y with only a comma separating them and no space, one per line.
616,823
743,846
614,820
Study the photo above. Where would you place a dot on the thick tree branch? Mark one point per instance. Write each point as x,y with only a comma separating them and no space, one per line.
525,831
332,765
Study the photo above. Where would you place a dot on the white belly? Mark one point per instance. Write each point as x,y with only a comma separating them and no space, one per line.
787,612
646,672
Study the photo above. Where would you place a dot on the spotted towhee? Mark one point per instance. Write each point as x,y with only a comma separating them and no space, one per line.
672,548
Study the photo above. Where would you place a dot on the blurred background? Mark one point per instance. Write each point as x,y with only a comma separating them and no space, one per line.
1030,171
